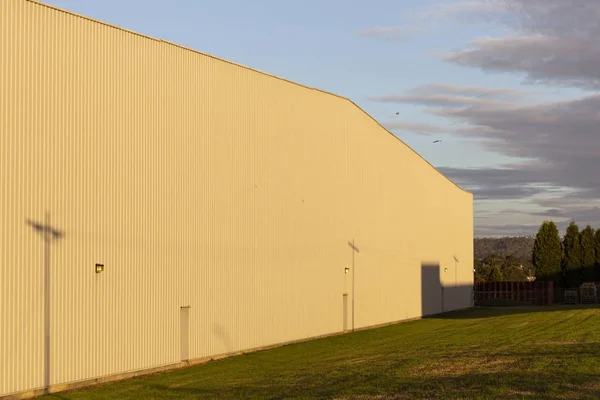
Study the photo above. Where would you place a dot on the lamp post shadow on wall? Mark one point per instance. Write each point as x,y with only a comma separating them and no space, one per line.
455,270
354,250
49,234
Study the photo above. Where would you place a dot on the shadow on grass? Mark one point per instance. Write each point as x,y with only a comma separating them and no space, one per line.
505,385
497,311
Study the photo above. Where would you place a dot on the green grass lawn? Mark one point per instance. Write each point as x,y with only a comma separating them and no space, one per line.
516,352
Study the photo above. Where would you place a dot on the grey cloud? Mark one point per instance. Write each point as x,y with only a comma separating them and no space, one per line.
558,144
561,141
553,17
492,177
491,230
575,214
466,12
554,42
436,88
561,217
582,216
505,192
443,100
496,183
574,199
582,206
551,42
423,129
551,60
416,20
449,95
506,230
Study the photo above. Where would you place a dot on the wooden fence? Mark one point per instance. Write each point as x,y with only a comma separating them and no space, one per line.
536,292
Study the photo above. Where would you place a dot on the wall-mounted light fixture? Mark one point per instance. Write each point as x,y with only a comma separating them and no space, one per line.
346,270
99,268
445,269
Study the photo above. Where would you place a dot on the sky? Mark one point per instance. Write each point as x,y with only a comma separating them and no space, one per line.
511,87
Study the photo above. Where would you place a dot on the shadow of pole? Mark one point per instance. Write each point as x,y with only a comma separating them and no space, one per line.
49,234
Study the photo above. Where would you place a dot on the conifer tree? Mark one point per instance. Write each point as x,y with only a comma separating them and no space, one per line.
588,253
572,255
495,274
547,252
597,236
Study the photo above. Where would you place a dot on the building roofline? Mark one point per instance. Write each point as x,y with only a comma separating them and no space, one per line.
38,2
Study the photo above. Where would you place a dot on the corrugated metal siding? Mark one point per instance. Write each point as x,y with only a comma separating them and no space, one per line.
200,183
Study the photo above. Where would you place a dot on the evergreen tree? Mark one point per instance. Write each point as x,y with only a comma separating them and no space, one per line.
495,275
514,273
572,255
588,253
597,235
512,261
547,252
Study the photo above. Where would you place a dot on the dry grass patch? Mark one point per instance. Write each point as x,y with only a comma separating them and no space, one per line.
360,360
521,325
374,397
465,365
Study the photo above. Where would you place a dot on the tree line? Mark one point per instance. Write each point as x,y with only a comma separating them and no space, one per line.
570,260
499,268
514,246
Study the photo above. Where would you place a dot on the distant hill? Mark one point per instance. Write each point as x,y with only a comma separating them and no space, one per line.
519,247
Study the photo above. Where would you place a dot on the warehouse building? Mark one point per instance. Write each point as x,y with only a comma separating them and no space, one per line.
161,206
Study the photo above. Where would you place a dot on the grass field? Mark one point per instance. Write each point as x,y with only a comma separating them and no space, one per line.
518,352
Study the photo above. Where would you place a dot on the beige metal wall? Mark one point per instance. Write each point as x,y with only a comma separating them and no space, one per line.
199,183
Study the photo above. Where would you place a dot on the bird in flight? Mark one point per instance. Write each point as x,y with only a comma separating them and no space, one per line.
436,141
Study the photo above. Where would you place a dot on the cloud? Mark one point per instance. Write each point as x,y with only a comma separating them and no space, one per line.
423,129
582,215
499,230
581,206
390,32
474,91
560,140
463,11
449,95
505,192
553,42
550,41
492,230
491,177
497,183
553,17
558,61
555,144
428,16
577,199
437,100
